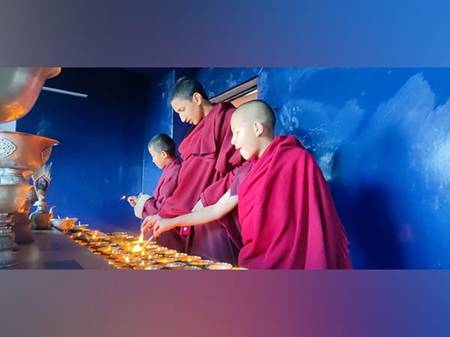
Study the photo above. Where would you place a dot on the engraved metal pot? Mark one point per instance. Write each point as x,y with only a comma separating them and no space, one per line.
20,155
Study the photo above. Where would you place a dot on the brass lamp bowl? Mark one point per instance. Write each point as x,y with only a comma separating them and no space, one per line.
19,89
24,151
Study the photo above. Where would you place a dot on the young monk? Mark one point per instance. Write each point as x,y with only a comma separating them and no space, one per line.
208,156
286,211
163,152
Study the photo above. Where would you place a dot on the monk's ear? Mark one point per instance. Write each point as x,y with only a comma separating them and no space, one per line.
197,98
164,154
258,128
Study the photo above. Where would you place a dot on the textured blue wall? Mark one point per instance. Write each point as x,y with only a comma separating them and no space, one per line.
218,80
158,119
381,137
101,136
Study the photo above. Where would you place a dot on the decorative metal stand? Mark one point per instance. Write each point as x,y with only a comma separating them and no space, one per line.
21,154
6,244
29,154
13,194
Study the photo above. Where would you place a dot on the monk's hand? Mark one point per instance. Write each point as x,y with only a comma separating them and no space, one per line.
163,225
148,223
198,206
132,200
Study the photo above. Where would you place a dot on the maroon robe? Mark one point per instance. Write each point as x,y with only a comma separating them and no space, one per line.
164,189
287,214
207,156
215,191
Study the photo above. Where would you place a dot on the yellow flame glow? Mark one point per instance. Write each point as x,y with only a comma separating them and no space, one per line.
137,248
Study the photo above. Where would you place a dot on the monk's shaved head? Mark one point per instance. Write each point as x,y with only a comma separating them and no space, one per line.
256,111
252,125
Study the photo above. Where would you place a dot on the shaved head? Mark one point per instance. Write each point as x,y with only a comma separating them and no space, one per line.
162,142
252,125
256,111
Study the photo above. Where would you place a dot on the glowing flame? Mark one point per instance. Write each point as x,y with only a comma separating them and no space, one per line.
137,248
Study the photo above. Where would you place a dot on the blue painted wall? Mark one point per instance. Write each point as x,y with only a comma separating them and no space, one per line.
158,119
381,137
218,80
102,136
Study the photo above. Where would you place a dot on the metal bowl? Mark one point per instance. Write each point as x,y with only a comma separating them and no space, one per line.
24,151
64,224
219,266
19,89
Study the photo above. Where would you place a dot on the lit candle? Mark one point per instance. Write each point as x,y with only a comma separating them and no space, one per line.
137,248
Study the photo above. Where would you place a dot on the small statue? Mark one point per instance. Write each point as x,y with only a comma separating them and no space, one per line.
40,218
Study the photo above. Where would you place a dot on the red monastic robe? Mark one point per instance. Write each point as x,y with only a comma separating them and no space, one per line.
163,190
287,214
207,156
215,191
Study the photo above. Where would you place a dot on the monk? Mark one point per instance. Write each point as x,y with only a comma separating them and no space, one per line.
287,215
208,156
162,149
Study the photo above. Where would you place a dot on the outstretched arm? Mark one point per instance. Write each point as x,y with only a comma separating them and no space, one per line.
204,215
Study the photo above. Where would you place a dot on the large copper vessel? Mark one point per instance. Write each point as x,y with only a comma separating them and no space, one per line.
20,154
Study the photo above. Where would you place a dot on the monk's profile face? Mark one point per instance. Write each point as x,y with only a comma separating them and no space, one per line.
188,110
159,157
244,136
